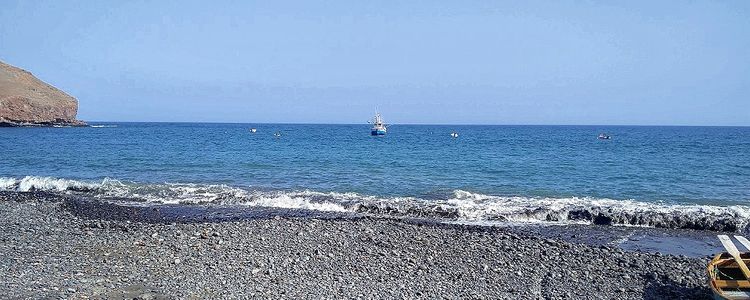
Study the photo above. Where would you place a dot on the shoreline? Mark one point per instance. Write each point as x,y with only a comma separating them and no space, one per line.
687,242
41,124
50,251
456,205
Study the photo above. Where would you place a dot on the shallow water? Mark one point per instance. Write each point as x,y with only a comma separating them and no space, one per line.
692,243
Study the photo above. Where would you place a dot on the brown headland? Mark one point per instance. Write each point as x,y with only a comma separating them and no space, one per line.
27,101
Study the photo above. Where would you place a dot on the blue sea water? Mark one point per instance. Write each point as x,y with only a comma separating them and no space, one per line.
508,166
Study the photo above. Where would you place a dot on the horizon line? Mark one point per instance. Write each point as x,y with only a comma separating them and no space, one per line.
418,124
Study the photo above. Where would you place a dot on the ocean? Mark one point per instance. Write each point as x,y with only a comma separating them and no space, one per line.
643,176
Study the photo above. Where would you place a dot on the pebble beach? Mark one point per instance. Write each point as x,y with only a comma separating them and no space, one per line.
49,251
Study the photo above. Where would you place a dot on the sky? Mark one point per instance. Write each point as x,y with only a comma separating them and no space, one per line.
417,62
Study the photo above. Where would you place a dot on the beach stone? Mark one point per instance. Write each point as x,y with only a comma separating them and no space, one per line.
266,258
146,296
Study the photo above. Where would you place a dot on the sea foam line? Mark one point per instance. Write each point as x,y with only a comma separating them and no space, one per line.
459,206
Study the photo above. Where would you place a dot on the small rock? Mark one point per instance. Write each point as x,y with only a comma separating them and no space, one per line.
146,296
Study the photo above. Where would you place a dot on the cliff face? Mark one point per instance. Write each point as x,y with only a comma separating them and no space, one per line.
27,101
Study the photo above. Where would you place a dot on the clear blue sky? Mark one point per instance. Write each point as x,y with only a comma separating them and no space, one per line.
457,62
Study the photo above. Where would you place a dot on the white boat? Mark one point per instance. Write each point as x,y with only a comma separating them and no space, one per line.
378,126
454,134
253,130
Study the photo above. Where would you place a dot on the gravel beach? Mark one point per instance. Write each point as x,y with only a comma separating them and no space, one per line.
48,251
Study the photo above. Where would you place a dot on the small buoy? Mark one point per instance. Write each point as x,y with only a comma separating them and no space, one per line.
277,134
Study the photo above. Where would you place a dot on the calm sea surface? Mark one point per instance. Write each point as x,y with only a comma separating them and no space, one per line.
701,165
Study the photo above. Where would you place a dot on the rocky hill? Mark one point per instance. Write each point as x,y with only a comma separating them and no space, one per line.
27,101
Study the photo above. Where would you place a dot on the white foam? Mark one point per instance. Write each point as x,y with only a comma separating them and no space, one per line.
6,183
174,193
460,206
51,184
289,200
169,193
474,206
487,209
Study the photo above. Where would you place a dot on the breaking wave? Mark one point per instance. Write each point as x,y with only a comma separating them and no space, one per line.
458,206
34,183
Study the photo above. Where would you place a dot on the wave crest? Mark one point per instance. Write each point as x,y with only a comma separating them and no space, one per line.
460,206
36,183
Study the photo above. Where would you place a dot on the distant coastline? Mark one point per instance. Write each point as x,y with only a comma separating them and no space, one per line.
75,123
249,123
26,101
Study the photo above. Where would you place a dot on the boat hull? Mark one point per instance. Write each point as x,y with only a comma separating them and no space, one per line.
377,132
734,288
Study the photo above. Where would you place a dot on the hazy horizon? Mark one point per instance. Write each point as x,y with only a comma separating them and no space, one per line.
412,124
638,63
